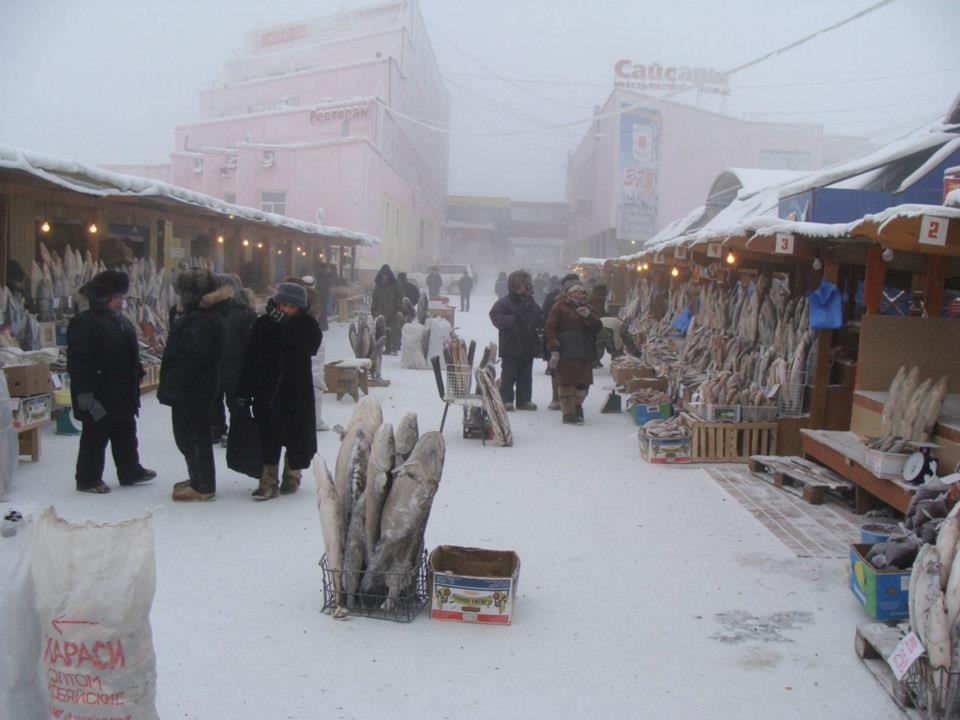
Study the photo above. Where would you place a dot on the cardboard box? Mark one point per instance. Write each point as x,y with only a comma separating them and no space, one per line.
341,380
31,410
24,380
473,584
642,414
447,313
661,451
661,383
717,413
622,375
883,593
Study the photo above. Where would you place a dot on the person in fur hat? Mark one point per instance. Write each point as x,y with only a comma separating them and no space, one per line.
571,334
103,360
239,322
190,375
277,380
519,320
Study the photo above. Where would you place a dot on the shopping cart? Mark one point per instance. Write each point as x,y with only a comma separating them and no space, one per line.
454,385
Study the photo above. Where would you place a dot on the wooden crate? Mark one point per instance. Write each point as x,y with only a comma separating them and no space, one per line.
729,442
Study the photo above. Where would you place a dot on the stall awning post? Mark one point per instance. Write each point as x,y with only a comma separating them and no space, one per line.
821,372
873,279
935,282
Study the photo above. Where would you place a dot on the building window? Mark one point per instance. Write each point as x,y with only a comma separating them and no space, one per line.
274,202
785,159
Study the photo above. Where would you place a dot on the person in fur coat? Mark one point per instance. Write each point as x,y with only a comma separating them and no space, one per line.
190,376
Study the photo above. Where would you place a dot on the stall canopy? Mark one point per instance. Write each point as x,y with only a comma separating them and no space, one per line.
91,180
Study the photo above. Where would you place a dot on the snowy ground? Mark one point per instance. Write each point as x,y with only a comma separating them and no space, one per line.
644,591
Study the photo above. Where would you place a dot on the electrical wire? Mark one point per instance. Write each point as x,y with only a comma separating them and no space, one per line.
850,109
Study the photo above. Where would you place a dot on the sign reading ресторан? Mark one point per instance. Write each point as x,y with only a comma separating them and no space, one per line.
339,114
655,77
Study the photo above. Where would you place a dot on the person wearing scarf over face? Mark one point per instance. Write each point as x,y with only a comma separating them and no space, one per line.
103,361
277,378
571,334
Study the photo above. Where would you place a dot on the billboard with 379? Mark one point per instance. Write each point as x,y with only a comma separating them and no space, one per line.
639,160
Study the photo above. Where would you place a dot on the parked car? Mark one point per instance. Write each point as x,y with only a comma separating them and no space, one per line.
450,273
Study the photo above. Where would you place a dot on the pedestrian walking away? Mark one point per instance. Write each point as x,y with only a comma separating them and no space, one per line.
519,320
434,283
190,376
277,382
466,287
571,334
103,361
500,286
239,321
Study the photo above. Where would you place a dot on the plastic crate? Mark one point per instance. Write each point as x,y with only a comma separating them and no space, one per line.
414,594
888,466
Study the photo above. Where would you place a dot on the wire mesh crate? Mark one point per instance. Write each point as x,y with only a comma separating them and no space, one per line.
413,595
458,379
935,692
793,398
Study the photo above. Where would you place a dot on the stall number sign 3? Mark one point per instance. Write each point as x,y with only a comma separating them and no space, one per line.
908,650
784,244
713,250
933,231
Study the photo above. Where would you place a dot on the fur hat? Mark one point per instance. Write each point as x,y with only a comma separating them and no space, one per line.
290,293
106,284
516,279
569,280
192,284
576,287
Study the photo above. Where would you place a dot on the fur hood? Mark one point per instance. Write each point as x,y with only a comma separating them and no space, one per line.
193,285
225,292
516,279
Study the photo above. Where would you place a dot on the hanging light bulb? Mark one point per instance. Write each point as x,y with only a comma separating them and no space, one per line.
887,255
675,272
298,249
92,228
45,227
246,243
220,239
639,267
817,264
731,258
646,266
259,246
230,217
279,252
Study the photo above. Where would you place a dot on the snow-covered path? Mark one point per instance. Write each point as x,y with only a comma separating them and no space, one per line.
626,568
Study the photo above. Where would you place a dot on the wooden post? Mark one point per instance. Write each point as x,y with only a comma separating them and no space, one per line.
821,373
873,279
935,282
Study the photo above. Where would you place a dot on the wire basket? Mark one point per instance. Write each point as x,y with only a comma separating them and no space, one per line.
793,398
936,692
413,596
457,381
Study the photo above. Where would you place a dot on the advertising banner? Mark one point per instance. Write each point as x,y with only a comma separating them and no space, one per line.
639,159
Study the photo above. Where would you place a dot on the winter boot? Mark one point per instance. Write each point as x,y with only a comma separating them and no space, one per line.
508,406
291,479
188,494
526,406
554,405
267,489
180,485
570,419
579,414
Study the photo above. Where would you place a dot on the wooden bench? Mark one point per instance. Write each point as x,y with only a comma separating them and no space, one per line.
842,452
28,439
814,481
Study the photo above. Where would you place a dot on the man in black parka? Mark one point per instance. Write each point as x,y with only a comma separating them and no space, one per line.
103,360
190,376
239,321
519,320
278,377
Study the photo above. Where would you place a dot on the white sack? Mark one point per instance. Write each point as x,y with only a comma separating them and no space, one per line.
411,347
94,585
440,331
21,696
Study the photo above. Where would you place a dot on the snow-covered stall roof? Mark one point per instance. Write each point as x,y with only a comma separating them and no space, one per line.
858,173
91,180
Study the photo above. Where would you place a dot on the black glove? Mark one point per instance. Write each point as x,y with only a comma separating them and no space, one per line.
89,404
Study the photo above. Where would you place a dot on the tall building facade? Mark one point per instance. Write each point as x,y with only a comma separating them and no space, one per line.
646,161
313,120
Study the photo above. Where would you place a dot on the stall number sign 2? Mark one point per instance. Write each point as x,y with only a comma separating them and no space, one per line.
784,244
908,650
933,231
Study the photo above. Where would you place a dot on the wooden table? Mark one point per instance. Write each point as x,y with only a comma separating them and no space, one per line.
28,439
842,451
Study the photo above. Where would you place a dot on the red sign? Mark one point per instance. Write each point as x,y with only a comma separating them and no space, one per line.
950,183
284,35
353,112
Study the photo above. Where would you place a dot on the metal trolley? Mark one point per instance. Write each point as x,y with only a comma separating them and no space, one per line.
454,385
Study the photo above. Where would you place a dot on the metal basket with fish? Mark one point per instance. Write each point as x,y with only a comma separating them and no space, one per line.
934,691
414,594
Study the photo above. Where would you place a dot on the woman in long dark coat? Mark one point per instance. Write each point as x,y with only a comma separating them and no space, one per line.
103,360
190,376
277,376
239,321
387,300
571,334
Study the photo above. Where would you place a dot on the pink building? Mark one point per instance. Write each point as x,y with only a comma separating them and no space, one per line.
646,161
308,123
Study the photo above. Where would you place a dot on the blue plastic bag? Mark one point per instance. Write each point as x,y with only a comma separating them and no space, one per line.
826,307
682,321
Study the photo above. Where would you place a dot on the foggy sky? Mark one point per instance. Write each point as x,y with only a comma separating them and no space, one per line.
105,81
